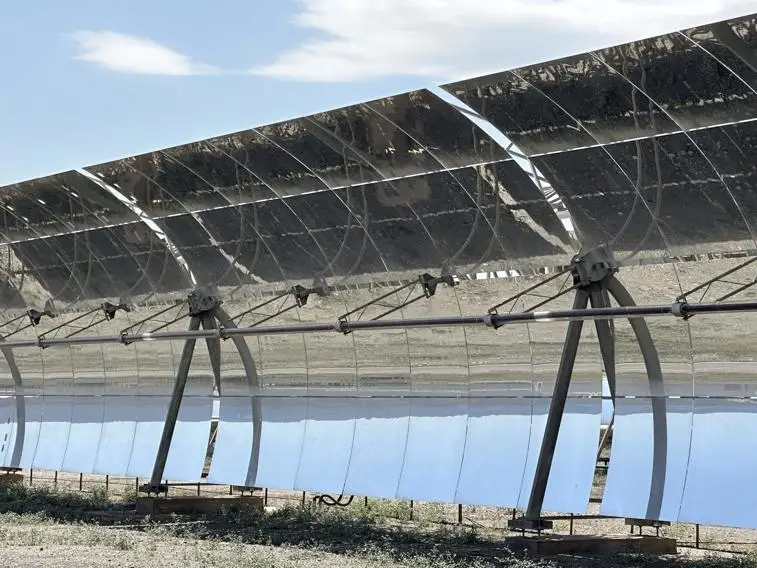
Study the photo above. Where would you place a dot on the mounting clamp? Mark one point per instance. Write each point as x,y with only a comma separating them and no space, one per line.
490,322
49,310
201,301
110,309
301,294
593,266
678,309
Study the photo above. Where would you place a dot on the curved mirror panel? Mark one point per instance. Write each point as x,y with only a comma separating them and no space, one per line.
572,472
330,428
430,470
54,430
651,436
189,445
7,430
719,488
151,417
496,447
378,448
120,416
84,436
632,489
281,440
32,426
234,442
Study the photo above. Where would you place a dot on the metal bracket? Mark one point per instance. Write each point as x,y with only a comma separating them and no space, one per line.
35,316
593,266
301,294
429,283
110,309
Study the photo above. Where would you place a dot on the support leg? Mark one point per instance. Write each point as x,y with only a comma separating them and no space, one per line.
214,350
253,384
174,406
556,408
606,335
657,393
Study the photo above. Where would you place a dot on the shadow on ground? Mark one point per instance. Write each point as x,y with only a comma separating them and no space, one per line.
355,530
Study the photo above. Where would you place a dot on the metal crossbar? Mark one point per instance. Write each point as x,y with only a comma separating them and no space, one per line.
678,309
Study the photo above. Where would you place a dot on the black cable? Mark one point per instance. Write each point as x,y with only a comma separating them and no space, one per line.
330,501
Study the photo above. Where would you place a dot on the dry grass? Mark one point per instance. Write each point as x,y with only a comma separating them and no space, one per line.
45,529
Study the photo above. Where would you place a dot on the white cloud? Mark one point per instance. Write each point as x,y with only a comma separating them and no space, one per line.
133,54
448,39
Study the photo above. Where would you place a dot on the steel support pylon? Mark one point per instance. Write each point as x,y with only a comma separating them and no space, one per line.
595,282
206,311
202,312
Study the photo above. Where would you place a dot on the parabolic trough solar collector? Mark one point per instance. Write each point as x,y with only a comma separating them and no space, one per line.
647,149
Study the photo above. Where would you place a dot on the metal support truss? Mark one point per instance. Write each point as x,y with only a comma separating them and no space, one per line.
138,327
427,283
594,281
107,309
34,317
298,293
722,278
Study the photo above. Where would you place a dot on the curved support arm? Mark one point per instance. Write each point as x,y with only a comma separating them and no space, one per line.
254,385
18,445
657,392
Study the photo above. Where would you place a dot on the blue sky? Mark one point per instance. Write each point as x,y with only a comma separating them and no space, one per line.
85,81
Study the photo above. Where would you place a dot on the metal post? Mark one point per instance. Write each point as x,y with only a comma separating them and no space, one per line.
606,436
600,298
303,498
571,524
198,488
460,514
107,483
81,481
697,535
532,518
31,477
265,497
411,509
173,407
55,480
136,484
